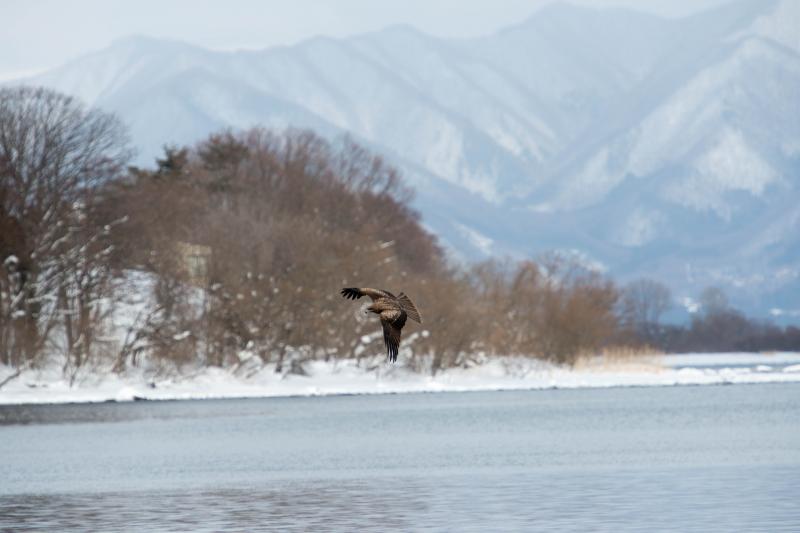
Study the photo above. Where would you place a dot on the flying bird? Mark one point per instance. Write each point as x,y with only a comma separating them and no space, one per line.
393,311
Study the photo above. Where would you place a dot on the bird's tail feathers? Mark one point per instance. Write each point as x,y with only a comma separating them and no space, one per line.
408,306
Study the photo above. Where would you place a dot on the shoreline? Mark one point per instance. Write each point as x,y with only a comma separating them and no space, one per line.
137,399
345,378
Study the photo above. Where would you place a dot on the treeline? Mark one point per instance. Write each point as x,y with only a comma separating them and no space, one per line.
285,220
231,253
717,327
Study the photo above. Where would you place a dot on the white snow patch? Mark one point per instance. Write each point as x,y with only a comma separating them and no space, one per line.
782,25
597,177
126,394
776,312
446,151
475,238
181,336
581,258
734,165
347,377
544,207
664,135
728,359
791,148
690,304
640,227
730,165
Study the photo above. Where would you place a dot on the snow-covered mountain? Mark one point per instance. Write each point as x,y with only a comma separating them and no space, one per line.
667,148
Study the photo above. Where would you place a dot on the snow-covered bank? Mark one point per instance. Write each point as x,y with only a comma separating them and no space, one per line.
345,377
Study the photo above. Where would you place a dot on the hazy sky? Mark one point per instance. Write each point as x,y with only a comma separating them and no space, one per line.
39,34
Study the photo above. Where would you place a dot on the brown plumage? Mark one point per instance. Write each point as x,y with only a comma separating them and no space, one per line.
393,311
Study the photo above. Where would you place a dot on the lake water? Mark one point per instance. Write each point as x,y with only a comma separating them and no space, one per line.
712,458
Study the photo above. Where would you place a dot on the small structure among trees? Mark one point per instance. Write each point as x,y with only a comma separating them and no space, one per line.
196,261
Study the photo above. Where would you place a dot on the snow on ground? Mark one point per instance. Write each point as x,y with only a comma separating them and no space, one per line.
731,359
346,377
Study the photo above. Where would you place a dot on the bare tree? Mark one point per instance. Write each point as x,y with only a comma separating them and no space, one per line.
53,154
713,300
576,310
643,303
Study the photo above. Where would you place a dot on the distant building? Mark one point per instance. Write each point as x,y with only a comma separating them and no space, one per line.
195,259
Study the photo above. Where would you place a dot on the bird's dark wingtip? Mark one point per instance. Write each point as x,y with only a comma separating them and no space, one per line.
350,293
392,352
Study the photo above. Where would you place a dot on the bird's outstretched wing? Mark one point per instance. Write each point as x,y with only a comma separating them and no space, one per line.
354,293
392,324
408,306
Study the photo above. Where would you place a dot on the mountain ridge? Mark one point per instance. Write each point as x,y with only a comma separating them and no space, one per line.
634,139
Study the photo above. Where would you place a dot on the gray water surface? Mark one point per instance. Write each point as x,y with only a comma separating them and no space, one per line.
712,458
